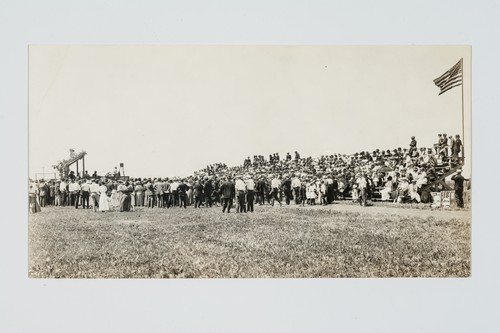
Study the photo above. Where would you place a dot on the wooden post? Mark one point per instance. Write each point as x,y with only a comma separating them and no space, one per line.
83,162
77,168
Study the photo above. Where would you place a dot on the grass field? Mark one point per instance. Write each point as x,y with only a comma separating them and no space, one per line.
341,240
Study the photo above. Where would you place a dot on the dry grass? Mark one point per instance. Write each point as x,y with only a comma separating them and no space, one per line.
340,241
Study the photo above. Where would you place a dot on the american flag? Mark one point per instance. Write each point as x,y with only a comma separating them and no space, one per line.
451,79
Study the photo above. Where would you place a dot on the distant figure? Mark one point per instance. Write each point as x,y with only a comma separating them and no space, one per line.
275,187
459,188
227,191
250,192
297,156
456,147
103,198
241,189
413,146
182,193
208,190
33,202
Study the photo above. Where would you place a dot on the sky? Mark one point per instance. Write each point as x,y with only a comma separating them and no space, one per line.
171,110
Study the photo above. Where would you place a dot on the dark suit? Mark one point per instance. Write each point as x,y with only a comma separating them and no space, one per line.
261,191
459,189
198,193
227,190
208,189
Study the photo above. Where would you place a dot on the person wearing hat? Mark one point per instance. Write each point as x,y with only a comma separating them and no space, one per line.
159,187
74,193
94,194
43,190
456,147
183,188
57,193
85,188
275,188
198,193
413,146
174,187
287,189
241,190
208,189
261,190
227,191
250,192
34,206
459,188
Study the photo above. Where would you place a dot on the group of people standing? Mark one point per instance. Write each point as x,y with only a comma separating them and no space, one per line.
397,175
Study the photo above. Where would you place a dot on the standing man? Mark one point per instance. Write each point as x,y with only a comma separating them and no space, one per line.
296,188
275,188
261,190
159,188
174,187
94,194
167,193
287,189
85,194
182,193
250,193
43,193
57,192
413,146
227,191
64,192
52,192
459,188
74,193
198,192
241,190
456,147
362,186
208,189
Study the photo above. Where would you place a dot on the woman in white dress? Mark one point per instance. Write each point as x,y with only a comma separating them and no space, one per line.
103,198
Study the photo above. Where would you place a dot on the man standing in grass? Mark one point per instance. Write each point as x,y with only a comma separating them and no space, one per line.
207,190
183,193
296,188
275,187
227,191
74,192
241,189
250,192
459,188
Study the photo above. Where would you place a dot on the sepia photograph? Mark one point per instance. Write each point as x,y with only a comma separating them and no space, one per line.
249,161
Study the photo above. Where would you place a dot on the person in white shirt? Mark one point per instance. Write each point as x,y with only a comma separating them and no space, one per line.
275,186
85,187
296,188
250,192
94,195
174,187
241,189
74,193
362,186
63,187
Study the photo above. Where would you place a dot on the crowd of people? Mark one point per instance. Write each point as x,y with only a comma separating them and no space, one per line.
398,175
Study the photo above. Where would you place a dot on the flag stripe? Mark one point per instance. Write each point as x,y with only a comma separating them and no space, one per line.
451,78
452,82
445,90
444,83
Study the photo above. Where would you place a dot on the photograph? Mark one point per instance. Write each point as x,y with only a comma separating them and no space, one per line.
249,161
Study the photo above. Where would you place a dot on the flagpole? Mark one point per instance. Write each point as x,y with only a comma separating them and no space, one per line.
463,131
